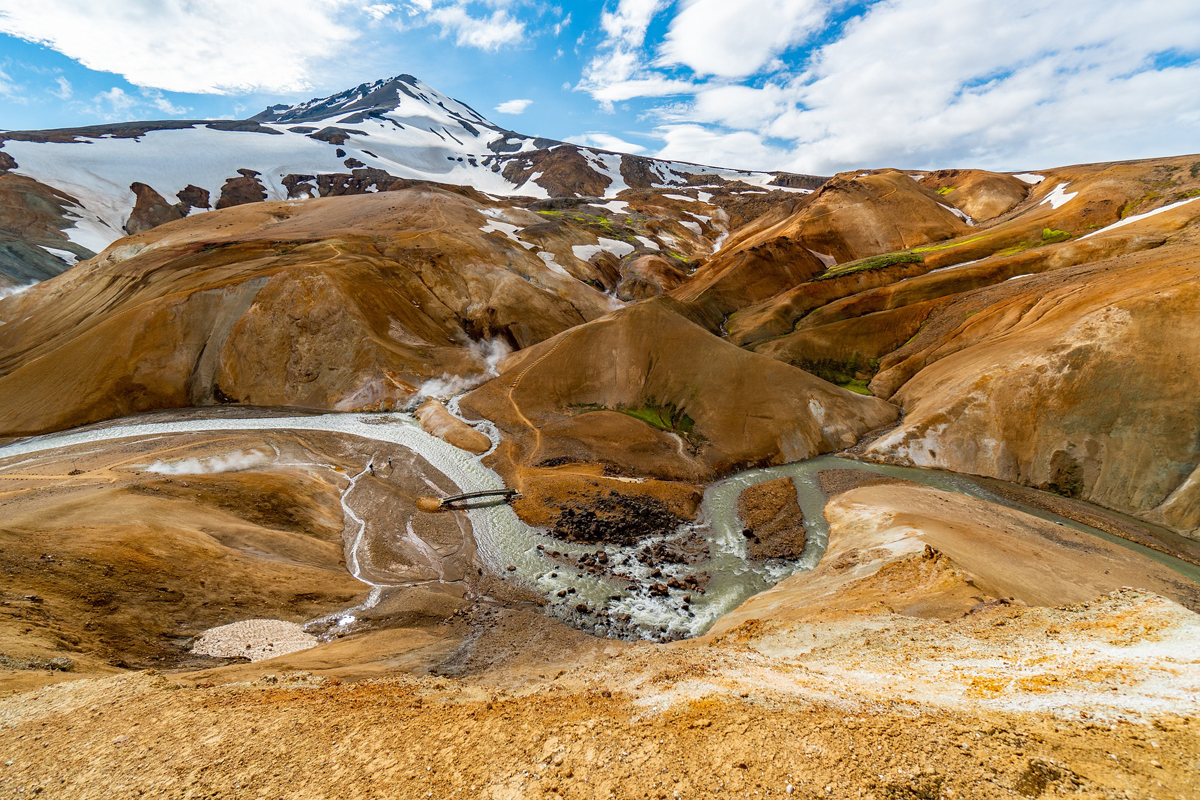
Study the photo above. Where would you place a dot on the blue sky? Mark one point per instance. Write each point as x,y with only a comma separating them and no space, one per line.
804,85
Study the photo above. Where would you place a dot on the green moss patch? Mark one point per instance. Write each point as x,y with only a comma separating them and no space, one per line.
857,385
872,263
1052,236
665,417
935,248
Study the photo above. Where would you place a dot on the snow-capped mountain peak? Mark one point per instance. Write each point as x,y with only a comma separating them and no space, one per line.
128,177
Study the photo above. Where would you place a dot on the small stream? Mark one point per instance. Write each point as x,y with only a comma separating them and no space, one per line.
597,603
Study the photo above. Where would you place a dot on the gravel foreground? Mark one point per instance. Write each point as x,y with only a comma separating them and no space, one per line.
722,718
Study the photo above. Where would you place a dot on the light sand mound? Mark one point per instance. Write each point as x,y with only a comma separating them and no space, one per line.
255,639
441,423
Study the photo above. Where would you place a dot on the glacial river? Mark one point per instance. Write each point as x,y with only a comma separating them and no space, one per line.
503,540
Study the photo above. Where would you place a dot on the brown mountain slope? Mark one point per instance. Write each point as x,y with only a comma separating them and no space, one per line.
850,217
1077,379
1068,204
979,194
347,303
649,391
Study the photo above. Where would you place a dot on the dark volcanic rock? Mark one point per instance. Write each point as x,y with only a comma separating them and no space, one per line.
194,197
564,172
335,135
616,519
244,189
150,210
774,522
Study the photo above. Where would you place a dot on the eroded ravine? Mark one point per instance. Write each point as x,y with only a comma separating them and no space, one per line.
598,603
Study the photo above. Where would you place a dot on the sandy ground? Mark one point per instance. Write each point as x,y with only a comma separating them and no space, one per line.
890,671
744,715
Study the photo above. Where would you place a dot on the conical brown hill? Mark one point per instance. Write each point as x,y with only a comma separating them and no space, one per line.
980,194
657,395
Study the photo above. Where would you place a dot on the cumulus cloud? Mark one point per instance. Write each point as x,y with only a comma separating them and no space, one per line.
618,71
736,38
698,144
116,103
996,85
488,32
606,141
912,83
231,46
514,106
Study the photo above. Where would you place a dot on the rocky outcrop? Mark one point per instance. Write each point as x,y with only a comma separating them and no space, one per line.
194,197
150,210
564,172
774,524
243,189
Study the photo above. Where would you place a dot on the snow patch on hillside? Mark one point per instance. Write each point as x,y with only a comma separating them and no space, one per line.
1138,218
1059,196
620,249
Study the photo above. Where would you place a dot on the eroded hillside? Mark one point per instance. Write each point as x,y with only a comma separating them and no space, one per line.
708,393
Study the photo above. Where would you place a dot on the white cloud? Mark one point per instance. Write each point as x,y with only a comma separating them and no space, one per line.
627,25
701,145
562,24
65,90
118,105
115,104
912,83
486,33
219,46
156,100
617,72
994,85
378,11
7,87
735,38
606,141
732,106
653,86
514,106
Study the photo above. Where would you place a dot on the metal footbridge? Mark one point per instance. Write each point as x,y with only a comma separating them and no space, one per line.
456,500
